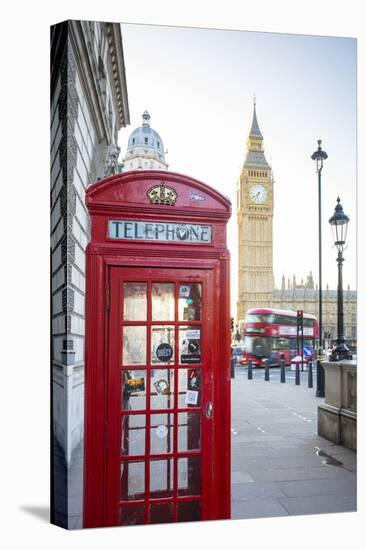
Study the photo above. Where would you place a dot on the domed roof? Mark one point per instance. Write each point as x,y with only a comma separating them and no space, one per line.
145,137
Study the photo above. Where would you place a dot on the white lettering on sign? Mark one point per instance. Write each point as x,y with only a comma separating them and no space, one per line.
159,231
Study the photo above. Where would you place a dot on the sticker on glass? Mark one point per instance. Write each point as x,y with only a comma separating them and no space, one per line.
162,386
194,380
184,291
161,431
191,397
164,352
135,384
190,351
193,334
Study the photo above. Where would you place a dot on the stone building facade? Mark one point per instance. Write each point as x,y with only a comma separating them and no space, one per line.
305,296
255,226
89,105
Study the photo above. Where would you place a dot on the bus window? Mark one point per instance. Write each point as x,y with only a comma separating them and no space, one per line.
280,344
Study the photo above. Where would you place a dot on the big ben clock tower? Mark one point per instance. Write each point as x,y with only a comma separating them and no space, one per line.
255,222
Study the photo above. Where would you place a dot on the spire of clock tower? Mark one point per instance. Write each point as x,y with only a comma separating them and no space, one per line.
255,153
255,131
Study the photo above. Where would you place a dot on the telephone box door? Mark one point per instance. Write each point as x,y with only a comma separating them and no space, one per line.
160,407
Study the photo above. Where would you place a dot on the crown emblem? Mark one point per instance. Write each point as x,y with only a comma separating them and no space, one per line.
162,194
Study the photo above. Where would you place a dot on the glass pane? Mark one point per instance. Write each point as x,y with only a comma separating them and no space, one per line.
162,345
189,475
161,513
189,431
189,388
134,346
189,345
190,302
132,480
133,434
162,301
134,301
132,515
134,389
161,478
161,433
189,511
162,389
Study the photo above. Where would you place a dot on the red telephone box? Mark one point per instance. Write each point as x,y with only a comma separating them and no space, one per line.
157,364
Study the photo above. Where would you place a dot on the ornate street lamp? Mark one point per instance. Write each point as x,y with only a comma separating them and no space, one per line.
319,156
339,224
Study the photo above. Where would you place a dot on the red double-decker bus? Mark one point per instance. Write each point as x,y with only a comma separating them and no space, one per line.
269,333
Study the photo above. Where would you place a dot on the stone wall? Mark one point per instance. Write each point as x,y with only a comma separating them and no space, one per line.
337,416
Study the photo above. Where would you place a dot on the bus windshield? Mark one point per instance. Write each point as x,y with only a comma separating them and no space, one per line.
260,347
260,318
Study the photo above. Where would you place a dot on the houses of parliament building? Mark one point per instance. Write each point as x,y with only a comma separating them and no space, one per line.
255,255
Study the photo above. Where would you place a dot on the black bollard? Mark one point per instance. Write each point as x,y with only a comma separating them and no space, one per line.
250,370
266,370
297,374
232,367
320,389
310,374
283,370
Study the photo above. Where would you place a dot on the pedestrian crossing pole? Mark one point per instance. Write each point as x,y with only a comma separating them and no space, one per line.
300,335
283,370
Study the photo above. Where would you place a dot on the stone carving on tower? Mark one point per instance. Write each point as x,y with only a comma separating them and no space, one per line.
255,226
145,149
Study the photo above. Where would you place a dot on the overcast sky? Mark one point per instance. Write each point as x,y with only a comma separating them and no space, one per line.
198,86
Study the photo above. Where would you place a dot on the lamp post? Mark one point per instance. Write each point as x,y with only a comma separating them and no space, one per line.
339,224
319,156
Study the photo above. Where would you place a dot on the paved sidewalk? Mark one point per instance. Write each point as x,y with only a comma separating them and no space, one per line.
280,466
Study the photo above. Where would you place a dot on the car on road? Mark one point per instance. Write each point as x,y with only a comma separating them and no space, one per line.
238,353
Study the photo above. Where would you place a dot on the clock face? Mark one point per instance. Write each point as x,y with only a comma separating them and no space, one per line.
258,193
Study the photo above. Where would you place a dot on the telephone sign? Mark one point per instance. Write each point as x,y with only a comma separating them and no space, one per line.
159,231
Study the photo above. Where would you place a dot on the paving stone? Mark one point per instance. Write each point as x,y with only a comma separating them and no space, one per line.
289,474
319,504
252,445
274,463
263,508
319,487
241,477
268,452
283,445
256,491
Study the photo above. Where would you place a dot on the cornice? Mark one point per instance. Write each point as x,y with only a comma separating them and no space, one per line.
115,49
88,75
